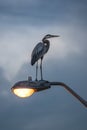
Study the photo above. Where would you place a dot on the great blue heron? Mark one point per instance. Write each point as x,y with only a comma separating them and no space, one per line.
38,52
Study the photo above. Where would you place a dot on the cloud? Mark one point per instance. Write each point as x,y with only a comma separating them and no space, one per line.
16,44
18,2
42,13
4,93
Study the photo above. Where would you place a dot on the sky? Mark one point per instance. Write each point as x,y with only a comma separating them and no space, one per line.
23,23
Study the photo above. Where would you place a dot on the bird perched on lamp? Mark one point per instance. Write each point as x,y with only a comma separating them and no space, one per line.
39,51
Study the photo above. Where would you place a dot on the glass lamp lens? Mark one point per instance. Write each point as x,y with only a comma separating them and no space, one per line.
23,92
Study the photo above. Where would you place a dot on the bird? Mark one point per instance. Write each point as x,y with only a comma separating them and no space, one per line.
39,51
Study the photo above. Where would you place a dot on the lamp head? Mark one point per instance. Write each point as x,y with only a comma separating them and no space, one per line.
22,89
25,89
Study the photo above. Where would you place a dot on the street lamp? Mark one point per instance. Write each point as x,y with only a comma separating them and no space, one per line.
26,88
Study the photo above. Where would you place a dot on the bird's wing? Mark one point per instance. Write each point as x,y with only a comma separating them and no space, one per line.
36,53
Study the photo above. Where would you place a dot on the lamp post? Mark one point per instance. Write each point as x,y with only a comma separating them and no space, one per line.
26,88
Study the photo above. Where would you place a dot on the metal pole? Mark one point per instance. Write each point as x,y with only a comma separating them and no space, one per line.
84,102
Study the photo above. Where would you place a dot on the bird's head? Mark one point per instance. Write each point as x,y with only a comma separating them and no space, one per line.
49,36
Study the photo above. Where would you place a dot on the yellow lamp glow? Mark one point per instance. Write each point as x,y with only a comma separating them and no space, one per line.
23,92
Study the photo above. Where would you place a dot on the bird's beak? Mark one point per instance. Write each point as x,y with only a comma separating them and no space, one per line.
51,36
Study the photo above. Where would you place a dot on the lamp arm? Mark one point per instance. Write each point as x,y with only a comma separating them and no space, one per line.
84,102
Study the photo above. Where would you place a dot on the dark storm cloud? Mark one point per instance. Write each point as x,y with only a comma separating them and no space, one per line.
45,11
3,83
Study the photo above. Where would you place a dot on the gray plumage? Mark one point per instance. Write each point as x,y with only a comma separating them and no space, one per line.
39,51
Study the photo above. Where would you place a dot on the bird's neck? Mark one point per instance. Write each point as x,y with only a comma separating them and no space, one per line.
46,43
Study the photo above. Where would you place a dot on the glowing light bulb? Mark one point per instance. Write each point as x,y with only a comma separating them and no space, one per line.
23,92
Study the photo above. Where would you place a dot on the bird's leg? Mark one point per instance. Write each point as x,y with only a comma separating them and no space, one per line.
41,69
36,70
